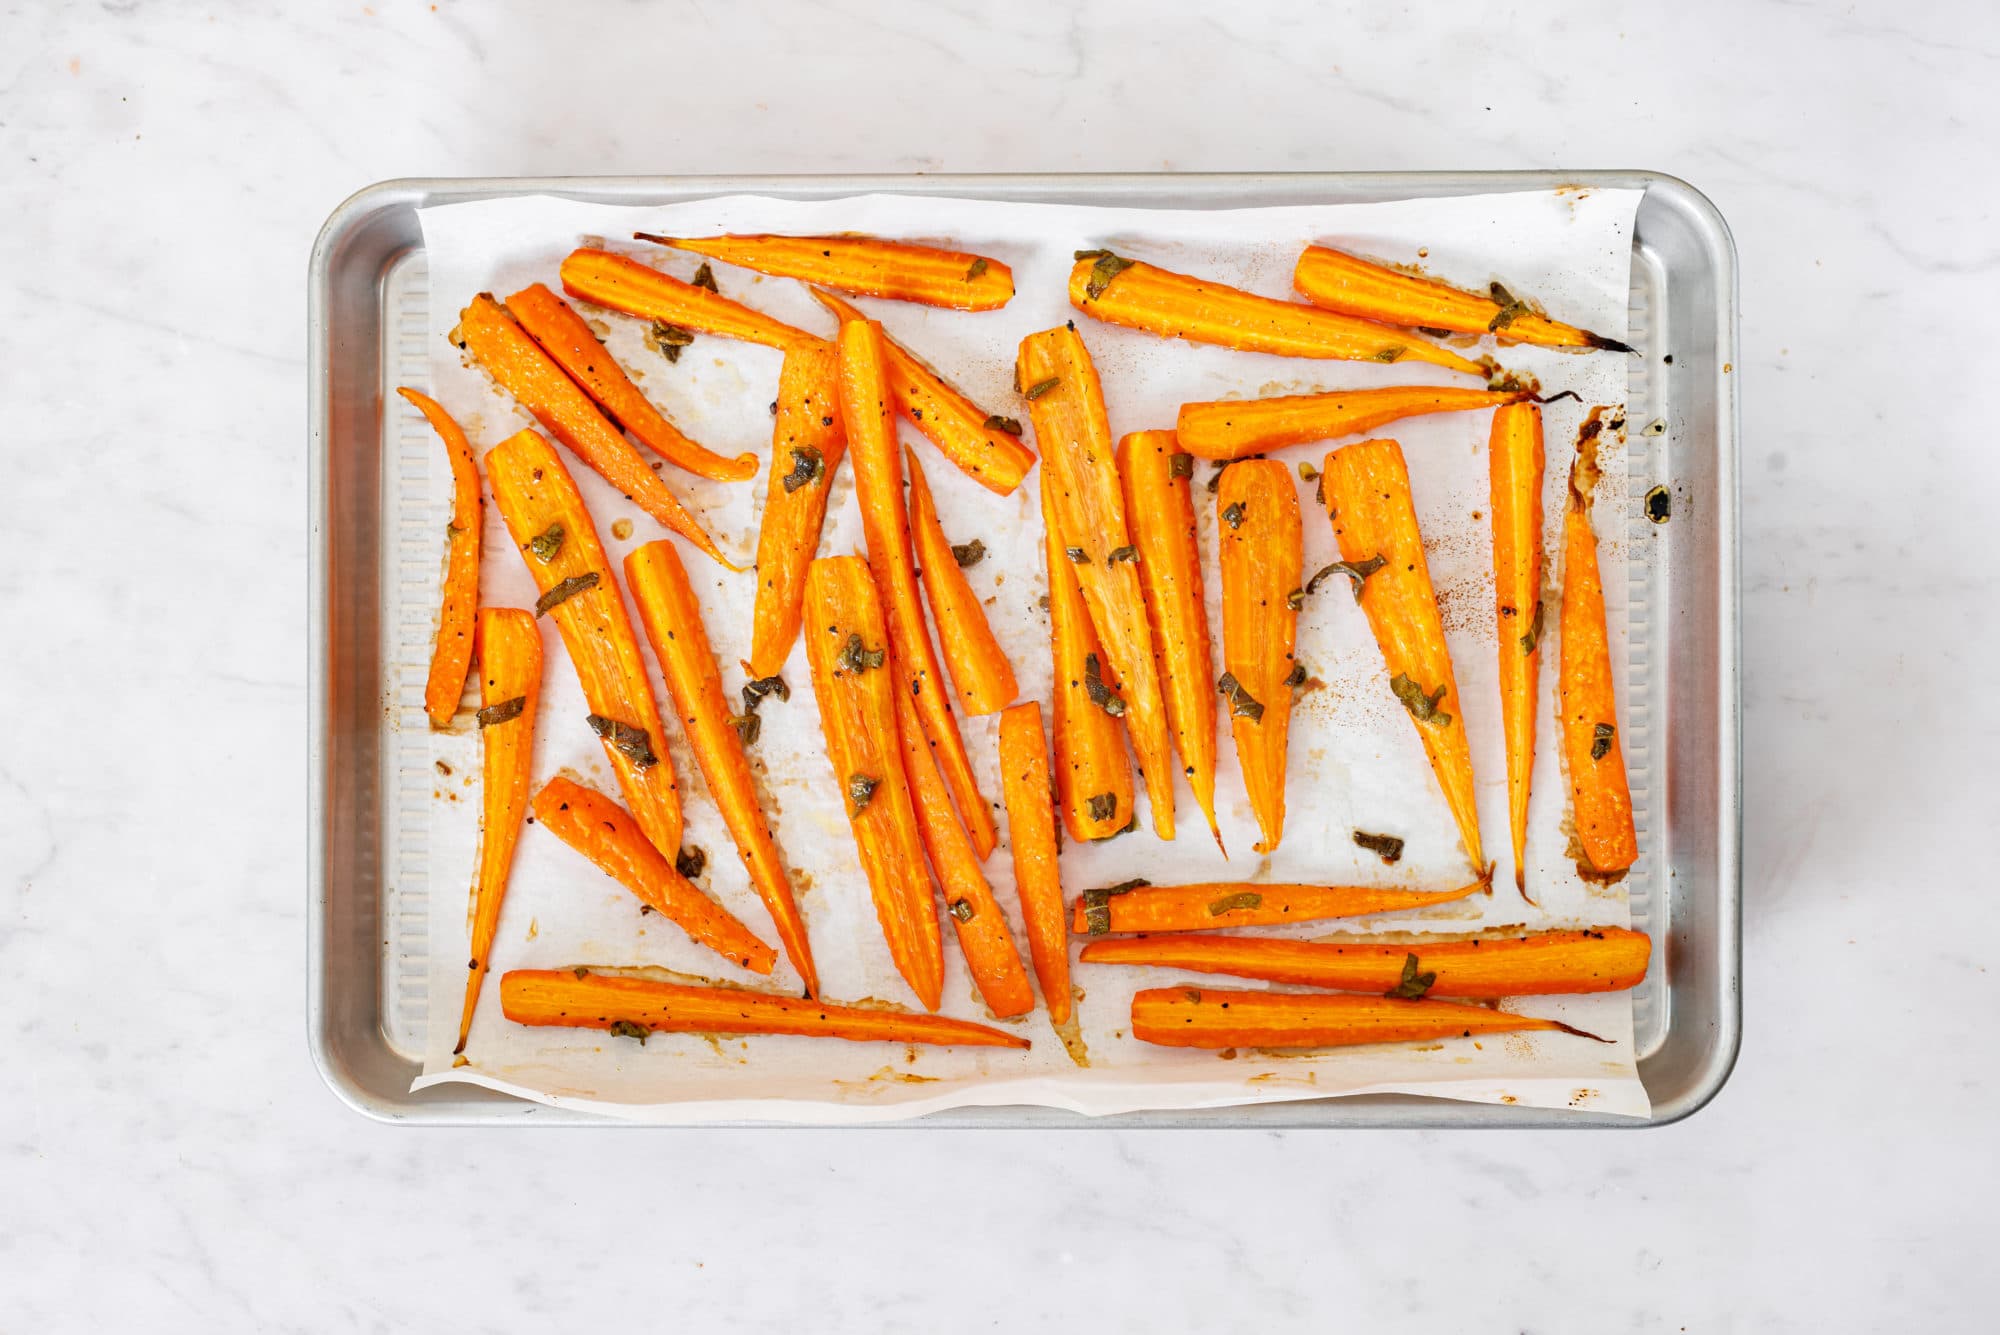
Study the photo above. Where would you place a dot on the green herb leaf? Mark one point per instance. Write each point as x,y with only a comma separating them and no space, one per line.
1306,471
1233,515
628,741
976,268
547,543
504,712
855,656
1090,254
668,339
562,592
1108,267
1533,638
1414,984
629,1029
860,792
1388,355
963,910
691,861
580,972
808,467
705,277
1100,695
1295,599
1297,676
1241,703
1600,740
1386,846
1125,553
1104,806
968,554
749,727
1180,465
755,691
1510,310
1077,555
1429,331
1358,571
1097,904
1242,899
1041,387
1422,704
1010,425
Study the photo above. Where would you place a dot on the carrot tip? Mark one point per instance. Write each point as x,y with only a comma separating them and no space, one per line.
461,1046
1580,1033
655,238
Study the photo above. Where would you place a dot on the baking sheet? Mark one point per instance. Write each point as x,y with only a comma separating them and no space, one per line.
1355,761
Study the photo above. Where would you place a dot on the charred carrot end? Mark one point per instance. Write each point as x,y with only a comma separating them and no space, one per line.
1336,281
979,669
865,266
1235,428
1257,509
1514,459
1600,794
620,284
451,652
1200,1017
1367,493
1032,837
510,688
634,1007
1135,906
1158,301
1093,773
808,441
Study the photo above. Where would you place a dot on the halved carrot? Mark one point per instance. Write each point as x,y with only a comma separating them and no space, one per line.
1207,905
569,341
1233,428
1093,773
1366,489
878,484
620,284
1261,548
510,686
521,368
865,266
1159,301
671,614
807,443
1199,1017
554,535
605,832
1032,838
1337,281
1514,460
635,1007
986,446
1081,465
856,687
979,670
1600,794
451,652
1607,959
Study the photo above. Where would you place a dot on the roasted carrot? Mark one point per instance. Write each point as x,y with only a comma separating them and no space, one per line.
865,266
1514,460
1257,509
1034,843
856,686
1340,282
451,652
979,670
562,333
807,443
671,615
1093,773
634,1007
1366,489
558,543
510,686
521,368
878,483
1200,1017
1138,907
985,446
620,284
1606,959
1081,465
605,832
1600,795
1159,301
1233,428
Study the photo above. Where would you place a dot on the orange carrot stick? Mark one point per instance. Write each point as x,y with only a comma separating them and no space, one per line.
634,1007
1192,1017
1081,465
1158,301
559,545
451,652
979,670
855,685
1366,488
510,686
1093,774
807,443
1258,533
1032,838
1208,905
605,832
865,266
521,368
1234,428
620,284
1340,282
1514,460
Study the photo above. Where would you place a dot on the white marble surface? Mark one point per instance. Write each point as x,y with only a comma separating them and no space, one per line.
169,1159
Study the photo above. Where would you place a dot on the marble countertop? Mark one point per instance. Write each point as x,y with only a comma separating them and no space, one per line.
170,1160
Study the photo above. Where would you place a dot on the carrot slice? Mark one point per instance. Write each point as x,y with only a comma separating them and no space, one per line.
865,266
807,442
605,832
979,670
878,483
1336,281
569,341
1032,838
638,1006
1261,549
559,545
1607,959
1093,773
451,652
671,615
1366,489
1514,460
1233,428
1207,905
1159,301
521,368
620,284
986,447
855,685
510,686
1078,458
1199,1017
1600,794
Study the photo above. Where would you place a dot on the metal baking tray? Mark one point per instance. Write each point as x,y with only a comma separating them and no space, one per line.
367,878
